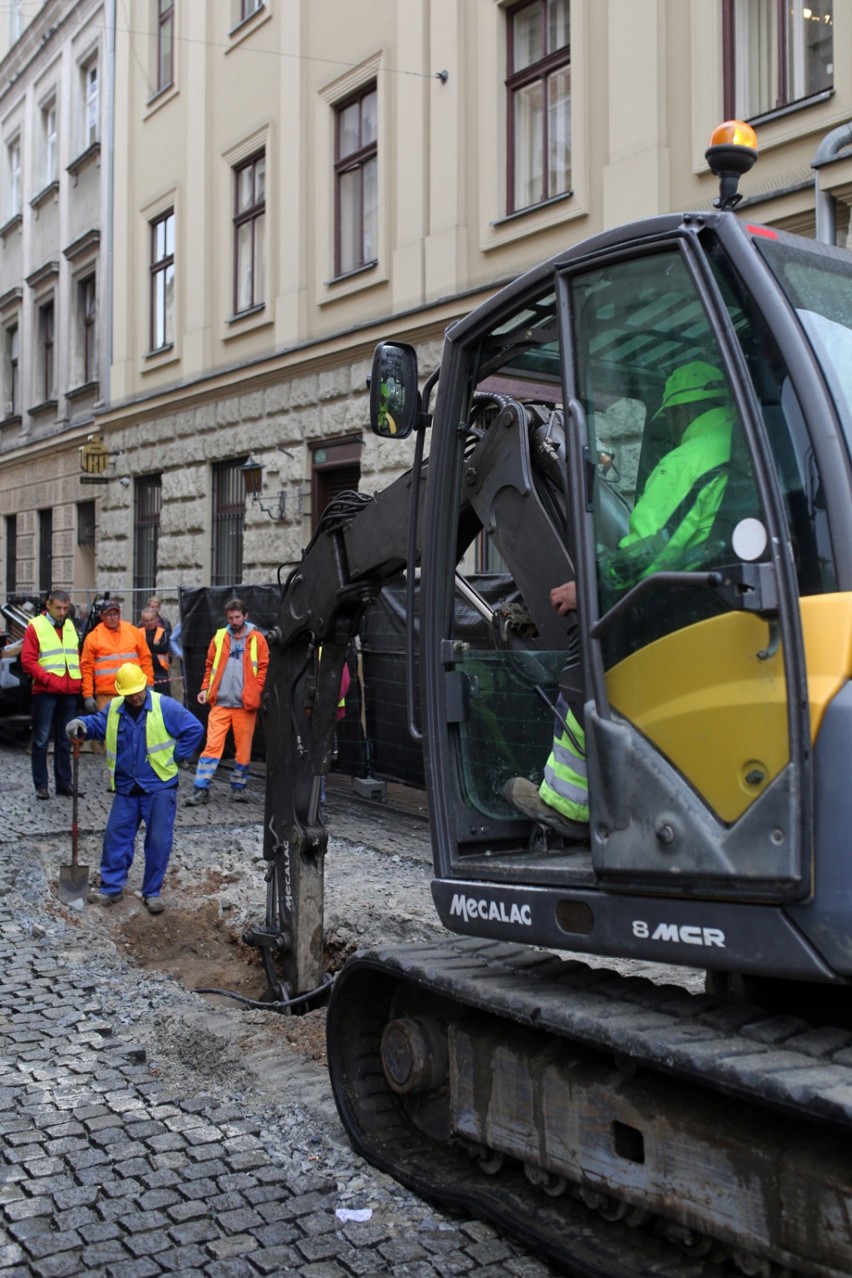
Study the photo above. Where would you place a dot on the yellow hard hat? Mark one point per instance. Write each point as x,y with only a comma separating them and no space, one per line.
130,679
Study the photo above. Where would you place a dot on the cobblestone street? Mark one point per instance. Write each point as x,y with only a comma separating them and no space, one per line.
113,1159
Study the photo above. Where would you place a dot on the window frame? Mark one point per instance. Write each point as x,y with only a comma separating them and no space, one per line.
731,40
12,368
45,365
227,523
11,565
356,160
147,512
87,312
161,267
91,121
252,216
45,549
50,141
539,72
15,176
165,32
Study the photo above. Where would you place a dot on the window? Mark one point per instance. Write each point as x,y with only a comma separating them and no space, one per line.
45,370
163,281
775,52
48,142
16,24
13,166
91,101
85,523
335,469
165,44
539,103
86,313
250,234
147,504
229,509
356,183
45,550
11,554
248,7
12,404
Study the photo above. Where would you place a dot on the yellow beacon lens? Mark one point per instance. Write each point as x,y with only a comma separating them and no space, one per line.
734,133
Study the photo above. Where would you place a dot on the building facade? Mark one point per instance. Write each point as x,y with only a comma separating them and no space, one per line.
53,347
289,181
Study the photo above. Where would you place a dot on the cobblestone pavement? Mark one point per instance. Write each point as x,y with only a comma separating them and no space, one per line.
107,1168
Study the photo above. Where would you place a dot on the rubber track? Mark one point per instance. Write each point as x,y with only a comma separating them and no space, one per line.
739,1050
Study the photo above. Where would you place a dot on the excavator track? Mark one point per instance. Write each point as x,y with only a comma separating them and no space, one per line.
620,1128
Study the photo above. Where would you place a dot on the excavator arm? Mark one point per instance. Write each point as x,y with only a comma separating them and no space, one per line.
360,544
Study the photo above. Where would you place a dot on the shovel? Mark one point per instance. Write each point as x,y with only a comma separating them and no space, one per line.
73,878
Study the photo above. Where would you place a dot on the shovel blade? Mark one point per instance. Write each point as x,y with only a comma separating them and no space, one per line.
73,882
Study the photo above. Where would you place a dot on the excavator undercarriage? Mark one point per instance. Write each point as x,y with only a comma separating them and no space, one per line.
620,1127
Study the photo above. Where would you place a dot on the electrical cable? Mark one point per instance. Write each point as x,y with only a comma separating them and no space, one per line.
262,1003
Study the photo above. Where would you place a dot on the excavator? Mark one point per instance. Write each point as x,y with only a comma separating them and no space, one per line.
614,1123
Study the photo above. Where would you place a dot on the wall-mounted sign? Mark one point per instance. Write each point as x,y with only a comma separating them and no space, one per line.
94,460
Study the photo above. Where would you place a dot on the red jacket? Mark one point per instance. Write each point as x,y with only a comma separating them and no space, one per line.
43,680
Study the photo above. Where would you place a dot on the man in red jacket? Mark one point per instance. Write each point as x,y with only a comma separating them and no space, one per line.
237,660
50,657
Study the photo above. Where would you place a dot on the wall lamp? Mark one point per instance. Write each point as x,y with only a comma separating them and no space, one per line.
252,473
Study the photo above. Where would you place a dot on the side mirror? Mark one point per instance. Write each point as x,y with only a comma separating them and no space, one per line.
394,396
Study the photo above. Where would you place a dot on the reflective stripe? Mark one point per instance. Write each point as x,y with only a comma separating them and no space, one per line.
157,740
113,660
566,781
57,657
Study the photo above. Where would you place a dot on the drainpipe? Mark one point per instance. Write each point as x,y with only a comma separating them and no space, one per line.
826,214
105,291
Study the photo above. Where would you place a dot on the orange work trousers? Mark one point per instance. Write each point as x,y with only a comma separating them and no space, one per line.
241,722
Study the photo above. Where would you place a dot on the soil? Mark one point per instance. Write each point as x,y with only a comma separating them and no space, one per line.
215,889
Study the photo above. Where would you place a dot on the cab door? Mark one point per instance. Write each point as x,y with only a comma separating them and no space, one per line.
696,700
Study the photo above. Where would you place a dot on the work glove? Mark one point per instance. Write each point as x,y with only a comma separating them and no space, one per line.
90,705
76,728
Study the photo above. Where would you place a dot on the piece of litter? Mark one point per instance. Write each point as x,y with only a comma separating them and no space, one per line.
354,1213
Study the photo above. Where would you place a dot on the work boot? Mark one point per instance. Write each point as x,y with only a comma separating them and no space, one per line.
67,791
153,904
238,796
42,792
524,796
97,897
198,798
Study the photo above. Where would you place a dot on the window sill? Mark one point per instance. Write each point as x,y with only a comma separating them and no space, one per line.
247,26
790,108
251,313
44,195
152,360
14,419
46,406
353,274
160,99
85,388
90,155
532,209
14,221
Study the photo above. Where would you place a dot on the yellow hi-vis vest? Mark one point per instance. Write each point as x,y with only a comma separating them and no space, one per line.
219,640
54,656
159,746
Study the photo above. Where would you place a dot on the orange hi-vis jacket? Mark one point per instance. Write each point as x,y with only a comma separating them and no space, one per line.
105,651
255,664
